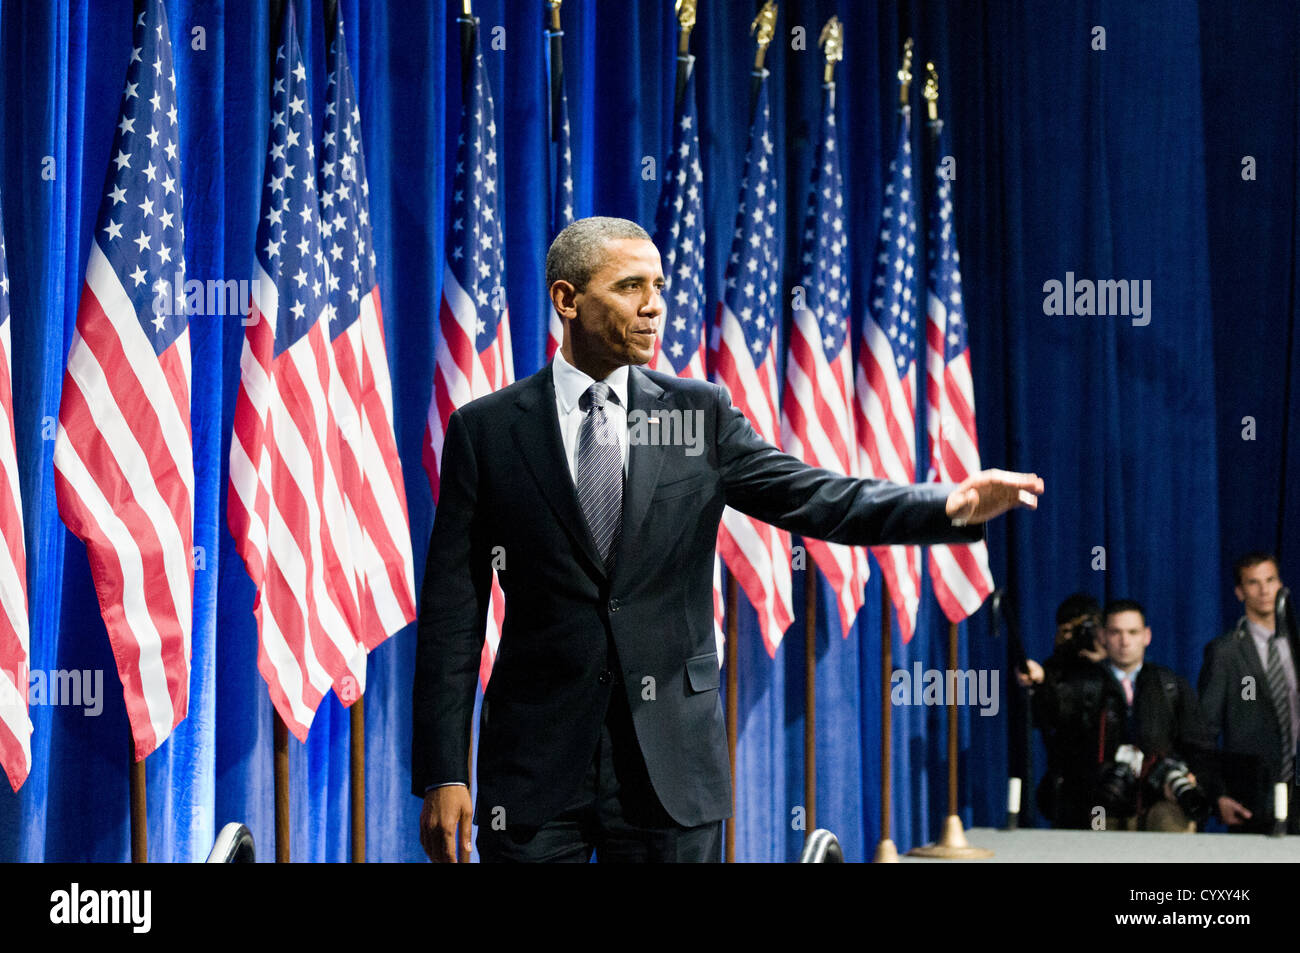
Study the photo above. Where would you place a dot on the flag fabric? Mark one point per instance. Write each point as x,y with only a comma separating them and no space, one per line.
885,408
679,235
816,415
960,574
473,355
123,453
289,468
743,348
15,649
561,172
377,496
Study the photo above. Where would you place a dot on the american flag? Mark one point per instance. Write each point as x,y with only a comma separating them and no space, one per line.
288,466
473,354
885,409
123,455
743,346
378,498
960,574
679,234
15,657
816,419
562,171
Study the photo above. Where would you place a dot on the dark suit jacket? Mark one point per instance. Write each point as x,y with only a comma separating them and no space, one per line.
1090,718
505,483
1250,740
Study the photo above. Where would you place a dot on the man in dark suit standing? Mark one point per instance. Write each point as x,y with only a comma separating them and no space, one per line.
595,489
1249,695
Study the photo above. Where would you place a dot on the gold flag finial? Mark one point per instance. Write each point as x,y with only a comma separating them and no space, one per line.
931,91
764,28
905,74
685,14
554,7
832,43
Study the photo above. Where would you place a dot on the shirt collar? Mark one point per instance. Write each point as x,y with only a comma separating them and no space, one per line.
571,383
1120,674
1260,633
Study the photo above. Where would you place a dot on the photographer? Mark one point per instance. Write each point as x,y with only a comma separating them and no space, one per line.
1130,735
1076,651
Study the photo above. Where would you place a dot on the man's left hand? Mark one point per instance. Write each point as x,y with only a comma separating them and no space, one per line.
990,493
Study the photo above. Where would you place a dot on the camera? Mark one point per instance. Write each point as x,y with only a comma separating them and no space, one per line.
1084,636
1194,801
1117,782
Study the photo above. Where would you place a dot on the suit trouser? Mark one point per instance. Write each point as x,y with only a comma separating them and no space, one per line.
615,813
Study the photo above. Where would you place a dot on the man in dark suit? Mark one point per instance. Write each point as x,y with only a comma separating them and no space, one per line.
1102,714
602,726
1248,694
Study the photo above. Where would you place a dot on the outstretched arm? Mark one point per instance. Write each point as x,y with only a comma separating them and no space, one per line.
780,489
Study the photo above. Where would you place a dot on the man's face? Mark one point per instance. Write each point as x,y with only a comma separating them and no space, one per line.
1258,588
619,310
1126,638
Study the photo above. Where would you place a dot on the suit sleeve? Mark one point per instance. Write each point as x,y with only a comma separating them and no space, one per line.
1213,689
777,488
1196,741
452,621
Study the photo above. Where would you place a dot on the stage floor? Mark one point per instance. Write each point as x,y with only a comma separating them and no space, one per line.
1098,847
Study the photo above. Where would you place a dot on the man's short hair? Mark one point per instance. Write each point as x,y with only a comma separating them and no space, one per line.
1075,605
1116,606
578,251
1250,561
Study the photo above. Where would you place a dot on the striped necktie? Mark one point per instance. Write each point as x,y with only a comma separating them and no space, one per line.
1281,693
600,471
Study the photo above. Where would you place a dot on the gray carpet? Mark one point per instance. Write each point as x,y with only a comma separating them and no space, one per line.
1099,847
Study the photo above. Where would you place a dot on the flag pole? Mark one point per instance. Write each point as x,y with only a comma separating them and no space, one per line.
139,808
357,713
280,763
358,779
763,28
555,38
733,707
686,22
886,852
953,844
810,698
279,731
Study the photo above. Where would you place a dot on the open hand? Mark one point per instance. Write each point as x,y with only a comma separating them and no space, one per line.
990,493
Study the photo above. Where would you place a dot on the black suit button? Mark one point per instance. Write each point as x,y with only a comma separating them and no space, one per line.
614,605
604,678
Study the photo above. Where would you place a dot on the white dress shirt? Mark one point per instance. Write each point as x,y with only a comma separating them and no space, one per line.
570,385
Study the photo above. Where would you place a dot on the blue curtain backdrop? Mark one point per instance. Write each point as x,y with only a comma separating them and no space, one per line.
1122,162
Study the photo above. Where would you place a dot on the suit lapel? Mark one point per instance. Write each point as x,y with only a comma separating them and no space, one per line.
645,459
537,433
1254,665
